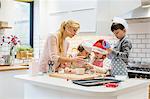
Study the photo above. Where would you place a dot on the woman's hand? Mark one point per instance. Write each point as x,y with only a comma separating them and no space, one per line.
88,65
78,59
109,50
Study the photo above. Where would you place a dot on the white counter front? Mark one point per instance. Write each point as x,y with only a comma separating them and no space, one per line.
45,87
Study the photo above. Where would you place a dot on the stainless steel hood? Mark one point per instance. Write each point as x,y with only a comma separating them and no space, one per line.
140,14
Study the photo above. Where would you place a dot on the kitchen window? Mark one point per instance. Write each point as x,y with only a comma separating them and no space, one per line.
24,22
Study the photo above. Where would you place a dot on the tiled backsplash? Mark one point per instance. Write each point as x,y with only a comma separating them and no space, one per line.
141,47
74,42
140,51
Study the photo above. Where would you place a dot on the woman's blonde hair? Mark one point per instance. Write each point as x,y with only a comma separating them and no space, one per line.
64,24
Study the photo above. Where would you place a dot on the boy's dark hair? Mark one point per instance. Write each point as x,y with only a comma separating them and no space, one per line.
116,26
80,48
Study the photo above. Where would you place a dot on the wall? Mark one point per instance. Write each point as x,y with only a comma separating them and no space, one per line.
50,18
7,12
17,16
107,9
59,11
139,33
75,41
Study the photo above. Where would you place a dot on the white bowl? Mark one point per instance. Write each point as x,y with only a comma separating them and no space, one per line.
80,71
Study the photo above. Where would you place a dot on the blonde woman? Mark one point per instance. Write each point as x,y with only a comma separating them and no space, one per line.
56,46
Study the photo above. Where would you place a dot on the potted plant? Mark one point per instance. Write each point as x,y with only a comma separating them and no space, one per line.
24,52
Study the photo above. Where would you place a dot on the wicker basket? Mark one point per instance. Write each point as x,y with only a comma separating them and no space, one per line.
24,55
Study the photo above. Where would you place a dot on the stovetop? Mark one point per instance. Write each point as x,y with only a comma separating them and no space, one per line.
139,72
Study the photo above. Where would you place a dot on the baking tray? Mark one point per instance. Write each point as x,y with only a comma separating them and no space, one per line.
95,82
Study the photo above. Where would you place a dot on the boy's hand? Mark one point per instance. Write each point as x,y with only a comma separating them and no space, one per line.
109,50
106,44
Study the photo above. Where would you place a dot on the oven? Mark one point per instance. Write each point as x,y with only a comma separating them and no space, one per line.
138,72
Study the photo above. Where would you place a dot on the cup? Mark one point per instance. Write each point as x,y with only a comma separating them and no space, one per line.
34,67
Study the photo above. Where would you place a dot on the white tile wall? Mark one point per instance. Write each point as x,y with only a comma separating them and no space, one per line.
75,41
140,41
147,35
141,46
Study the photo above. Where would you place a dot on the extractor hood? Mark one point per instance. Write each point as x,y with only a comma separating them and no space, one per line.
140,14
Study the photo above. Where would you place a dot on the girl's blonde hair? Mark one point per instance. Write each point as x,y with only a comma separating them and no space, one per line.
64,24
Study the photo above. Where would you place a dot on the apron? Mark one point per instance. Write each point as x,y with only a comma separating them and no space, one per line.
118,65
98,63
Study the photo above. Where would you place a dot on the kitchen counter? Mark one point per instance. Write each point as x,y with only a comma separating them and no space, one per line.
13,67
45,87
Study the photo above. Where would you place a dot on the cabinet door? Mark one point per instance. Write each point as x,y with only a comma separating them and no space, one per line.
69,5
86,17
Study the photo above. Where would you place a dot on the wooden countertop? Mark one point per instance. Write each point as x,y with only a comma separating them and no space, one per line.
13,67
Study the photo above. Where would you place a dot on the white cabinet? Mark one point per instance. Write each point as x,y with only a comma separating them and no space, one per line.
107,9
83,11
11,88
86,17
69,5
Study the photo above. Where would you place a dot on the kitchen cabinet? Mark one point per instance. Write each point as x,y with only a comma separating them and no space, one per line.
43,86
107,9
11,88
83,11
97,20
55,6
86,18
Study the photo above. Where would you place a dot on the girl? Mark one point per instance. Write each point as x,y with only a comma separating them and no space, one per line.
99,61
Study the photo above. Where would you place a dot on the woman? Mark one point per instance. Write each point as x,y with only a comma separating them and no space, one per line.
56,47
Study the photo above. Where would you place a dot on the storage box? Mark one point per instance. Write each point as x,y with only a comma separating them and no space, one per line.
24,55
4,24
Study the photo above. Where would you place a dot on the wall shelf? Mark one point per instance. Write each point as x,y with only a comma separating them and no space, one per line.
5,27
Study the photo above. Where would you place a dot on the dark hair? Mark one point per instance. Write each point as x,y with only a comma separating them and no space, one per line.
80,48
116,26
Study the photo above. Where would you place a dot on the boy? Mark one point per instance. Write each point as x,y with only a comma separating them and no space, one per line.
120,52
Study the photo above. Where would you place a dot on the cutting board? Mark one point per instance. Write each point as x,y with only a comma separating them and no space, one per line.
74,76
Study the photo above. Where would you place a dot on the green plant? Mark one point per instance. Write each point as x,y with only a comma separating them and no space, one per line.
24,48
